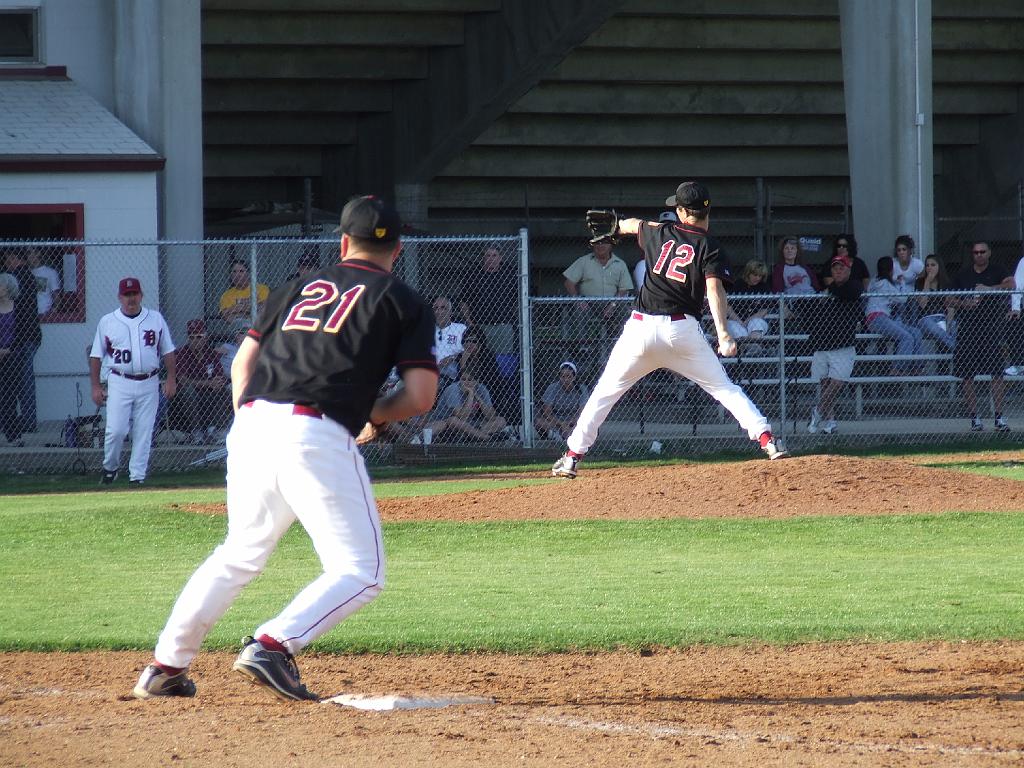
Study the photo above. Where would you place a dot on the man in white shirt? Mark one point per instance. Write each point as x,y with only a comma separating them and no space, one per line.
447,338
47,280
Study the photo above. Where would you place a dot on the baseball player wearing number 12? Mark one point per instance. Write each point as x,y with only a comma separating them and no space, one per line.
683,263
305,383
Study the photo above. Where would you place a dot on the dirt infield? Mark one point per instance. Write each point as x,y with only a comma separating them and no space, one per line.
821,704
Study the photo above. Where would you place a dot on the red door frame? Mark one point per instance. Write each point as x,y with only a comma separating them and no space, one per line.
72,311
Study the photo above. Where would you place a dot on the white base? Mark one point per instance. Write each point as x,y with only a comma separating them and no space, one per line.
393,701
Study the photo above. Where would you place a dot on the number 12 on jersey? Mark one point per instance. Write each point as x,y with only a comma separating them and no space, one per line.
683,257
321,293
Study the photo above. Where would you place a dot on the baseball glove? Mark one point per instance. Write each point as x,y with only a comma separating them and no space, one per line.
603,225
371,432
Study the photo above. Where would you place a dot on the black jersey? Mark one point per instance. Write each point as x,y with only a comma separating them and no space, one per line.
678,258
329,339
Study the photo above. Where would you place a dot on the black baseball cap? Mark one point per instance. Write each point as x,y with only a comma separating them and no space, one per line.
370,218
690,194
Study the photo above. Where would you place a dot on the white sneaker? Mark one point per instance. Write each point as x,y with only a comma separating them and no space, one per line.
1013,370
829,427
1001,425
815,422
774,450
976,425
565,466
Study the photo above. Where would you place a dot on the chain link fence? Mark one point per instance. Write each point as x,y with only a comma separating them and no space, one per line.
902,382
500,339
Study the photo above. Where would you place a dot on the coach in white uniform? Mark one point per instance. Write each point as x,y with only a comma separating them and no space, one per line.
131,341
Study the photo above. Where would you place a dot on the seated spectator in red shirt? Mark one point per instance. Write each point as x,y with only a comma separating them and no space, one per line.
203,403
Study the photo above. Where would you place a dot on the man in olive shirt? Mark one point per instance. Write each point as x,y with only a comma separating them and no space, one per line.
600,273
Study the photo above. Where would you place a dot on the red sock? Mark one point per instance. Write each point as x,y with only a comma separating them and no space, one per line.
271,644
167,670
765,438
575,455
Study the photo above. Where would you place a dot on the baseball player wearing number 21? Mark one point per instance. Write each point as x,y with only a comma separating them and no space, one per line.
305,384
683,263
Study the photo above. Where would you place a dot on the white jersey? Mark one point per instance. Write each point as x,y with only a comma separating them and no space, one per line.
132,345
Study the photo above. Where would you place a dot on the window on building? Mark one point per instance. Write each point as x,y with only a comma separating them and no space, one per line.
59,270
19,35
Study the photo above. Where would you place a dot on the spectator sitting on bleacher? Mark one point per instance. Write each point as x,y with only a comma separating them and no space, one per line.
447,340
561,404
236,301
929,312
203,403
846,244
789,275
746,318
879,319
476,354
979,330
832,330
465,408
906,266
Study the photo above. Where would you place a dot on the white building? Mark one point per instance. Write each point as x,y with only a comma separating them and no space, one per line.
100,140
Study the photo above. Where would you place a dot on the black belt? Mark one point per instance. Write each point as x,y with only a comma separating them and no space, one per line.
134,376
677,316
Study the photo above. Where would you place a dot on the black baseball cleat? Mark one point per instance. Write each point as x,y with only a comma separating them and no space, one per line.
108,477
136,483
155,682
274,670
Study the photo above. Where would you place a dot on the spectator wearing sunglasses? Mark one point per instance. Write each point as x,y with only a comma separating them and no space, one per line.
980,324
846,245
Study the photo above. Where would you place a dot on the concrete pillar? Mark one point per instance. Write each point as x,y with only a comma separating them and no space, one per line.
887,73
158,94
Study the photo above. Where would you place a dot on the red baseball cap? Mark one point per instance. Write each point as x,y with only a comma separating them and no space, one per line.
842,258
195,326
129,285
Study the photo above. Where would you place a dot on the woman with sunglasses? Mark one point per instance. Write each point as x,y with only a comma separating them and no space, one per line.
845,244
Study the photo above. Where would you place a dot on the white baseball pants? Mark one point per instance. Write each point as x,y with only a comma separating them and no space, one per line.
131,403
653,342
283,467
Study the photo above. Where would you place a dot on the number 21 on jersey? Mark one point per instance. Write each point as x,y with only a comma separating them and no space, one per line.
684,254
321,293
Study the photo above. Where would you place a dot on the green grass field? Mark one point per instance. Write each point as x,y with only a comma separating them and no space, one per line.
101,570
